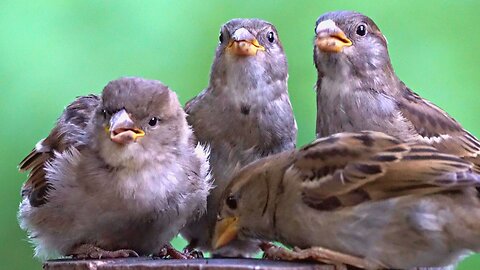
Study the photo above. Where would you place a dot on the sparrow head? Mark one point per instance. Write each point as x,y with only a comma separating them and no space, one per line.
138,120
250,47
349,41
247,204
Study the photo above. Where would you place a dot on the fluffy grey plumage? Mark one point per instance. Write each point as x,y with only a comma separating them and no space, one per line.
357,89
244,114
392,204
116,172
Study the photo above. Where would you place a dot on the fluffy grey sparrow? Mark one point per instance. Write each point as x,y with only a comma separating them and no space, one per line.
117,175
244,114
364,199
357,89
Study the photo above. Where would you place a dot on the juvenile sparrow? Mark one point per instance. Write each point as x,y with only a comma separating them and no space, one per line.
364,199
244,114
357,89
117,175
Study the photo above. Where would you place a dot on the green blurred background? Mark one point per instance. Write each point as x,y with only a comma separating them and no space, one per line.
53,51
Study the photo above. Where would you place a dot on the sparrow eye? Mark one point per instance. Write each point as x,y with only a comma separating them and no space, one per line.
220,37
270,37
153,121
104,113
362,30
231,202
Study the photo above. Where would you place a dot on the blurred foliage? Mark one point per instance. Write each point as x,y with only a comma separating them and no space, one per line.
53,51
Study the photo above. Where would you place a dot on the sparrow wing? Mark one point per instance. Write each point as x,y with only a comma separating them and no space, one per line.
191,108
437,128
68,132
191,105
349,168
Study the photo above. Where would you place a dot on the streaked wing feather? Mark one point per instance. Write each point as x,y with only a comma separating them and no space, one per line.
68,132
421,171
32,160
380,169
323,162
437,128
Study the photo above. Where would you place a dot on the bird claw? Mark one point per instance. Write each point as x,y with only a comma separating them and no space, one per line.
88,251
318,254
190,249
194,253
169,252
265,246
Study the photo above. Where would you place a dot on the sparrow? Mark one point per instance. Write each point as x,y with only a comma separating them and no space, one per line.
357,89
365,199
117,176
244,114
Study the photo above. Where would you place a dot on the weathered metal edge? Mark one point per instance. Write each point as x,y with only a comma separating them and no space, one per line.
147,263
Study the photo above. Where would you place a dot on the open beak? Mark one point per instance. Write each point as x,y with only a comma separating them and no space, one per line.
226,230
243,43
330,38
122,129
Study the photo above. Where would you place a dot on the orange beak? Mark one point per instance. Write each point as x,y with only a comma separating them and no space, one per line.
243,43
330,38
226,230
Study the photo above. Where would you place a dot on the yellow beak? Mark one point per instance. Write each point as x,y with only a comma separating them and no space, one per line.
245,47
122,129
333,42
226,230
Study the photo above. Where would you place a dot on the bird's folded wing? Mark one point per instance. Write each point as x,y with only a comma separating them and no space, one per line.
347,169
68,132
437,128
191,105
190,109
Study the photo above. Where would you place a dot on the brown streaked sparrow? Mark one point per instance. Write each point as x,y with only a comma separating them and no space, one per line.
365,199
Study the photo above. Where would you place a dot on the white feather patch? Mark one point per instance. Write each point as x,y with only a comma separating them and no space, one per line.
203,153
40,147
435,139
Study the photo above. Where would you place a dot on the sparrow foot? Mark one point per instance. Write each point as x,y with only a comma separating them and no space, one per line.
169,252
319,254
88,251
190,250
